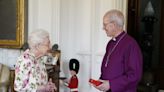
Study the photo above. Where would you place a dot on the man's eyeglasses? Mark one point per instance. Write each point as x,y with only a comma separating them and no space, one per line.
106,24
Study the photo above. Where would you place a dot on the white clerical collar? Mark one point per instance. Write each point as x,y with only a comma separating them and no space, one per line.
114,39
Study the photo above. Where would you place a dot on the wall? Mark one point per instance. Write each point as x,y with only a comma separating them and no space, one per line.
76,25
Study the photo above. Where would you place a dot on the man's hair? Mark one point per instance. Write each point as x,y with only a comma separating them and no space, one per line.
36,37
116,16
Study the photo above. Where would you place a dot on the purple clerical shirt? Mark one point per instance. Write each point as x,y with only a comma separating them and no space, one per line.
124,65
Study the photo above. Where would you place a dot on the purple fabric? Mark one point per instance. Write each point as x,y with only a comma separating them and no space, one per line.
124,68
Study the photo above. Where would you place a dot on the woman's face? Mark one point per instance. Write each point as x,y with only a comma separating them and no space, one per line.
44,47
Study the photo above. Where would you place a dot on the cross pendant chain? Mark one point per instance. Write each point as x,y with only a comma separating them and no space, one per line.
110,52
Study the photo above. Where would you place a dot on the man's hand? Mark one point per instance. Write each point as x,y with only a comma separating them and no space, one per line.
105,86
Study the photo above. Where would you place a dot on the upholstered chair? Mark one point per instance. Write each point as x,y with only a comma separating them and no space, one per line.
4,78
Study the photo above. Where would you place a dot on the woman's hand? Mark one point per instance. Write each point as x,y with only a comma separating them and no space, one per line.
49,87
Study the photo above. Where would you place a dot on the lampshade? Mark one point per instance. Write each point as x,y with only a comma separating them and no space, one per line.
149,11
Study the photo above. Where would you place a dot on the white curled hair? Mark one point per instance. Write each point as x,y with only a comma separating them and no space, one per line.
117,17
36,37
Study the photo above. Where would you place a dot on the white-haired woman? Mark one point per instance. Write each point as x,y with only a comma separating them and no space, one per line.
30,70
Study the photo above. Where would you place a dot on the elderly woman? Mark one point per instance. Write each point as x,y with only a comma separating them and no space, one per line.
30,70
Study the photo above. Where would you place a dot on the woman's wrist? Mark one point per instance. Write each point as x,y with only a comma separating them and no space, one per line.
42,88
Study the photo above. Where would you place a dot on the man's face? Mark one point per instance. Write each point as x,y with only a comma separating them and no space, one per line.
108,26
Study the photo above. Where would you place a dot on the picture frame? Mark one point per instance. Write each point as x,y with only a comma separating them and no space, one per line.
13,23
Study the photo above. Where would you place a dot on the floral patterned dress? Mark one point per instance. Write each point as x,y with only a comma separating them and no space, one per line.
29,73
